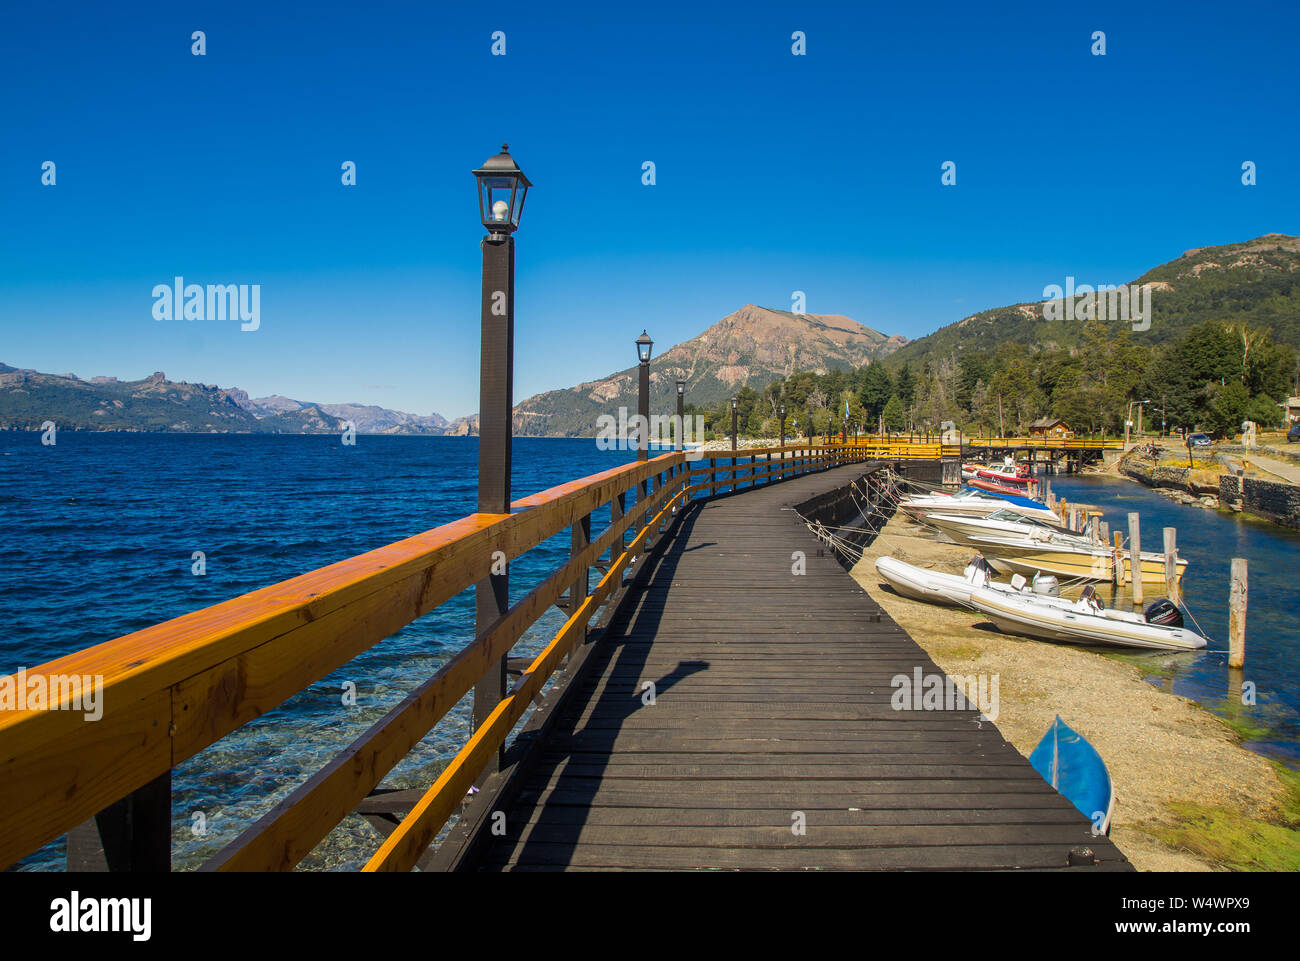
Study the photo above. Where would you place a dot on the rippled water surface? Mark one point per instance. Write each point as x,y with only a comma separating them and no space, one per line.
97,536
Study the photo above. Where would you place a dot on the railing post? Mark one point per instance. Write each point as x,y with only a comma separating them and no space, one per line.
133,834
580,541
643,501
617,507
496,391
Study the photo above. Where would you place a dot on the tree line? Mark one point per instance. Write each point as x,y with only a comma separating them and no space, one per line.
1210,378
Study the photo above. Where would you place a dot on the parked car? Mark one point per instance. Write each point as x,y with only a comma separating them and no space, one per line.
1199,440
1293,434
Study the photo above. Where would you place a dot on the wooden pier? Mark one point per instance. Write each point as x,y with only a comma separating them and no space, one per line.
723,701
770,742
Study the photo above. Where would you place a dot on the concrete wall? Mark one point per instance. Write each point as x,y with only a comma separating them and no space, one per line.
1279,503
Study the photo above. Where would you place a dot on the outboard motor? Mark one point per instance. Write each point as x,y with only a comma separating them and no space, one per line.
1164,612
1047,584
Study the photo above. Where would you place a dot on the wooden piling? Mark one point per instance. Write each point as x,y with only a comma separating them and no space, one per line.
1104,532
1171,565
1237,614
1135,555
1117,555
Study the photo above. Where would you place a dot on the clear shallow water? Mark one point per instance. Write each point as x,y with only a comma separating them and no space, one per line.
96,539
1209,540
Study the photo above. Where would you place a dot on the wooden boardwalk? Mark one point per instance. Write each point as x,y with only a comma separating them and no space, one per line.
771,705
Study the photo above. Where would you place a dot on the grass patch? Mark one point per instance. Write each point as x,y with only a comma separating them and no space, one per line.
1233,841
965,652
1229,839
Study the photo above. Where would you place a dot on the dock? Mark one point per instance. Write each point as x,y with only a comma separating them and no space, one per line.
772,705
721,701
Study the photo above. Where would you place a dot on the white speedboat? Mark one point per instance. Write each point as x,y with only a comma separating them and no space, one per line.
962,527
1086,621
954,590
978,503
1065,555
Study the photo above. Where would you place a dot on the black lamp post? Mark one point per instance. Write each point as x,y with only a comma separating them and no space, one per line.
502,187
733,423
643,347
681,415
782,444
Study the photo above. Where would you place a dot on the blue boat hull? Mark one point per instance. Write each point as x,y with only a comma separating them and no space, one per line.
1073,767
1013,498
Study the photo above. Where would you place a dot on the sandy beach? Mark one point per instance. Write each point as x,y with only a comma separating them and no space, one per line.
1163,751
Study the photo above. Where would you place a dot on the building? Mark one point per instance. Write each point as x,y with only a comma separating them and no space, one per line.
1292,407
1052,427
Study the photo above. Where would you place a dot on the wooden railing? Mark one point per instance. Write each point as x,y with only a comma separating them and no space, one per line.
1046,443
171,690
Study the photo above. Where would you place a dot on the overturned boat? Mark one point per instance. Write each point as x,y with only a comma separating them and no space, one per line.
1076,771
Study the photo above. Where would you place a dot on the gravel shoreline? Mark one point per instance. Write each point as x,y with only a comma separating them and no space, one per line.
1160,748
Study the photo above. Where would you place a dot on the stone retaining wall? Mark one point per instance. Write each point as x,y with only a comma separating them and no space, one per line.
1279,503
1164,476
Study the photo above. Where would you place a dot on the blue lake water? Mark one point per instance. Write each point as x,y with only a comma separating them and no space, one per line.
96,538
1209,540
97,535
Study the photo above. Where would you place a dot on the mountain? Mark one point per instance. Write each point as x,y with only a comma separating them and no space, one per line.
1256,282
369,419
28,398
751,347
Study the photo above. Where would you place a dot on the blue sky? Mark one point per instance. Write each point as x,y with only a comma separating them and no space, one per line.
775,173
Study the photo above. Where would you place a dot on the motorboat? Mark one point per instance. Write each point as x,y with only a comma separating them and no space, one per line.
1086,621
961,527
971,501
995,487
1065,555
953,590
1018,477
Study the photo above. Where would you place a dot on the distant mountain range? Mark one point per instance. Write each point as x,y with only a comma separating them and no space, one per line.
753,347
29,398
1256,282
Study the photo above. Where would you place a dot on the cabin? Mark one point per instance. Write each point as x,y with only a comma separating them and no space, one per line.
1050,427
1292,408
